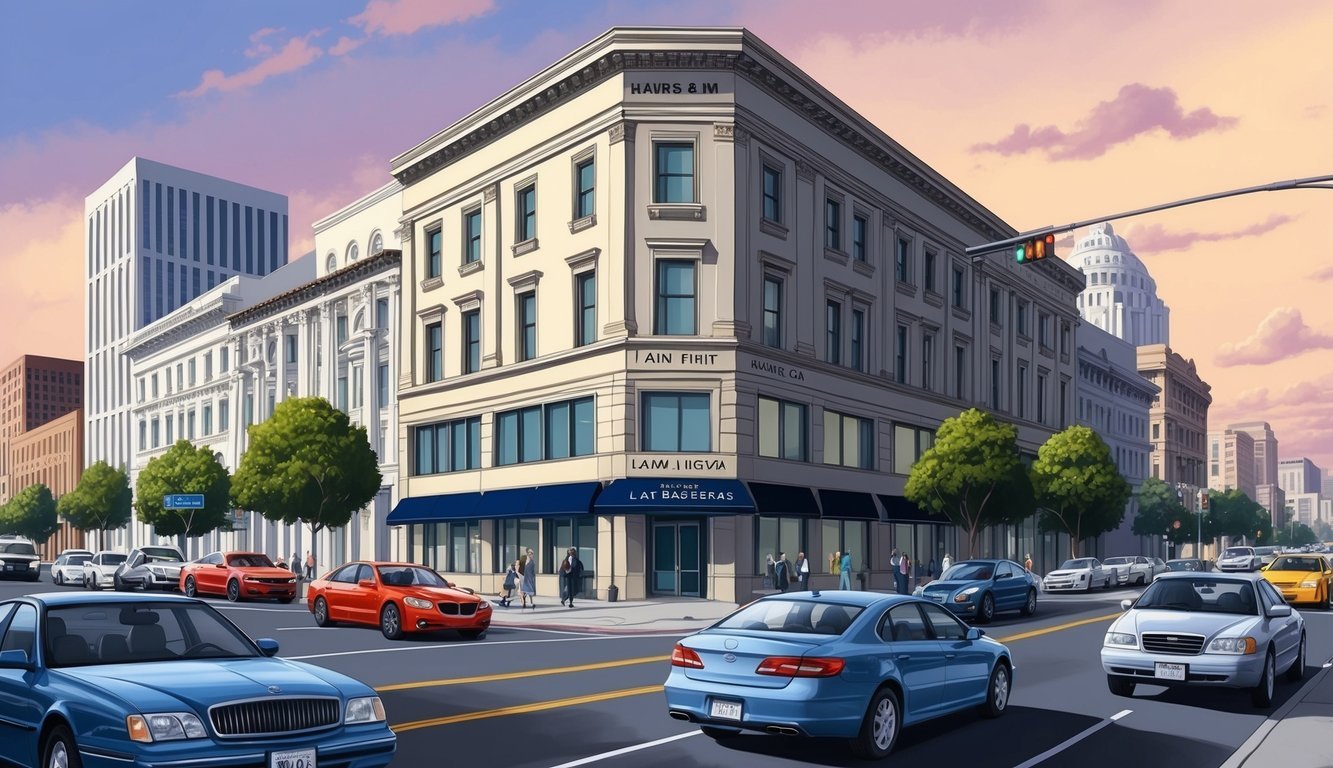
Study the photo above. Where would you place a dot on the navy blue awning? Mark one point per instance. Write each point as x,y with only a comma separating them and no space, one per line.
899,510
847,505
533,501
657,496
775,500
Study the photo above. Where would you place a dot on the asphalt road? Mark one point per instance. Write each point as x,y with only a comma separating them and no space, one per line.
547,699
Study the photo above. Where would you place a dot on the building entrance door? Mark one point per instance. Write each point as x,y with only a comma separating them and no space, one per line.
677,567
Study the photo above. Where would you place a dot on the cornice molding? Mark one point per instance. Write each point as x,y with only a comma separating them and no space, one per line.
334,281
194,395
190,324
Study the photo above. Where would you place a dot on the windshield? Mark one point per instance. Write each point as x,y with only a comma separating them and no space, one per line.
252,560
969,572
1082,564
797,616
113,558
78,559
1200,594
1266,550
162,555
1117,561
1182,565
18,548
410,576
81,635
1238,552
1295,564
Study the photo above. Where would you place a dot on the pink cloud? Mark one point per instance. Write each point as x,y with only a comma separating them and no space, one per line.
1324,274
1281,335
1135,111
790,22
345,45
1154,237
297,54
259,48
406,17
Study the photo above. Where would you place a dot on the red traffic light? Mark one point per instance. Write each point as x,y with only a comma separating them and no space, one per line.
1035,249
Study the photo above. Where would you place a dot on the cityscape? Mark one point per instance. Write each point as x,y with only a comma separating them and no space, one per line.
623,355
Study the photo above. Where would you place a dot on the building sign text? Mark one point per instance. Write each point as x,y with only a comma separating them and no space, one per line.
776,370
661,89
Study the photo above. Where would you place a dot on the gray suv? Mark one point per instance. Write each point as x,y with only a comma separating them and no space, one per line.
18,559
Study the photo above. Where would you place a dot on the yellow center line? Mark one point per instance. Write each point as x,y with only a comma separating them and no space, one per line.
1056,628
522,674
520,709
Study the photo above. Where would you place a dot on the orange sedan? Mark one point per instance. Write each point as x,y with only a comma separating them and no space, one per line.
398,598
239,576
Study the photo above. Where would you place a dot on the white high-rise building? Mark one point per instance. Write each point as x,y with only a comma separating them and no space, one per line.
1121,297
158,237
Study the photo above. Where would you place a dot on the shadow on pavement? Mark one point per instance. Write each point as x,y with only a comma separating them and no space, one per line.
1234,701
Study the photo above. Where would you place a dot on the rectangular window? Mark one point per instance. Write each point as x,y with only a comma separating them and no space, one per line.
249,239
434,352
1041,398
928,270
157,434
1064,393
171,429
848,441
900,359
1064,339
527,326
171,238
772,194
783,430
833,332
381,313
833,225
927,361
191,369
434,245
900,263
260,265
851,536
358,386
995,313
676,422
958,287
194,225
340,330
189,424
1021,318
1021,389
224,359
960,372
858,360
224,415
585,179
222,233
143,435
236,236
860,227
144,239
675,315
674,172
449,446
382,384
472,236
541,432
527,214
586,286
290,343
995,385
208,419
471,341
772,311
1044,329
342,393
909,444
774,535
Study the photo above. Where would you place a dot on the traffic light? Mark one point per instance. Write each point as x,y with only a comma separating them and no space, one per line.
1203,500
1035,249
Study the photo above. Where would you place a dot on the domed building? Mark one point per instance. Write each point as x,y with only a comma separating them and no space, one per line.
1121,297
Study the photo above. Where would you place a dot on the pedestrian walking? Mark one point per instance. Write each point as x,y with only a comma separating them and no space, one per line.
1027,564
309,566
571,577
845,571
802,570
781,572
895,560
903,573
296,565
834,562
947,564
527,585
510,583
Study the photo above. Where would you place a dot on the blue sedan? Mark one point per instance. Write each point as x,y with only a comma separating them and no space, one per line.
130,681
979,589
853,665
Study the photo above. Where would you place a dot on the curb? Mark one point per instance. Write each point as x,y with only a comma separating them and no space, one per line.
1256,740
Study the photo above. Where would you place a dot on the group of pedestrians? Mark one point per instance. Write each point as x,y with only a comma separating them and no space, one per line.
522,575
308,573
785,575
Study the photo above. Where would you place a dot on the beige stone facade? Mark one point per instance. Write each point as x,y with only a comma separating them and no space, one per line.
1231,462
1178,419
672,263
52,455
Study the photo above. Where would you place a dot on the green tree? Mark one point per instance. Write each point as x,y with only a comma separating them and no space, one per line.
1294,535
308,463
1234,514
1322,531
1078,486
184,469
31,514
972,475
1160,513
102,501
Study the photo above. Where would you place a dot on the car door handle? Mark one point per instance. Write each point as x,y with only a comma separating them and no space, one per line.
904,656
950,655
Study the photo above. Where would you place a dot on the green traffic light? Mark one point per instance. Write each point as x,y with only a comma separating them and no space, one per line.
1020,253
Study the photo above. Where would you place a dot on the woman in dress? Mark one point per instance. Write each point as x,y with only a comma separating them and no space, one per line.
527,586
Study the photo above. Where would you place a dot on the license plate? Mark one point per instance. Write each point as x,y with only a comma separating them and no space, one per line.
1171,671
11,567
725,710
292,758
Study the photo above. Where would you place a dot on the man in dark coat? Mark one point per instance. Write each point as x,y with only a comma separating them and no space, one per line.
571,577
782,572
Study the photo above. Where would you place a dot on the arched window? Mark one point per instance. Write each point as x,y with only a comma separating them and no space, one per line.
353,252
331,264
376,242
359,322
272,354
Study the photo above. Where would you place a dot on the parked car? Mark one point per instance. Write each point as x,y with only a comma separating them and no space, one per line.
100,570
851,665
1267,555
68,568
979,589
1132,570
151,568
19,559
238,575
1158,567
1080,573
1302,579
1239,559
398,598
118,679
1207,629
1187,564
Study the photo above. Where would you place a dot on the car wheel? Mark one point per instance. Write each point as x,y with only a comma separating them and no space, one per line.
322,613
233,590
879,729
1120,686
719,734
1262,695
59,579
1029,607
1297,669
95,582
391,622
997,692
471,634
191,589
117,583
987,610
59,749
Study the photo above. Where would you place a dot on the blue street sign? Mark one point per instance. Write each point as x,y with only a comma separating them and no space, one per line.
183,501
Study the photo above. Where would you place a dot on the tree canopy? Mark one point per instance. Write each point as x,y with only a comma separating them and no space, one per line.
972,475
1294,535
184,469
31,514
102,500
1077,484
307,463
1159,512
1234,514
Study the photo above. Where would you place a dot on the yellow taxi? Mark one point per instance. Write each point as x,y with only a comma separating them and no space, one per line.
1302,579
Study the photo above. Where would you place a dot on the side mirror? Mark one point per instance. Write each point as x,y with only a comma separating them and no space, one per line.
1278,611
16,659
366,584
267,646
974,634
1125,605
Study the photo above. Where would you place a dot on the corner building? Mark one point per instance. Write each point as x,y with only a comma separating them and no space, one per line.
672,303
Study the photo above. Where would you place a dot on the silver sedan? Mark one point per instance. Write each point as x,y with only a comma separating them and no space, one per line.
1230,630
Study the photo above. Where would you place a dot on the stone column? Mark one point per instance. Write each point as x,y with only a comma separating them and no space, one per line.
804,296
731,143
616,275
393,337
492,314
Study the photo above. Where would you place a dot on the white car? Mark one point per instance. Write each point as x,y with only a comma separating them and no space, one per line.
100,570
68,568
1238,559
1081,573
1134,571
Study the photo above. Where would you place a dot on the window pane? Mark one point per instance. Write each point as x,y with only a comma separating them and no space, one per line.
425,450
854,541
695,426
507,450
531,442
867,432
832,440
474,443
904,449
793,431
789,535
557,431
458,458
584,428
768,427
661,423
442,447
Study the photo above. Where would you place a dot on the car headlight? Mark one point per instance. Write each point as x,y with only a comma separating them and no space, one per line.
367,709
1120,640
166,726
965,595
1309,584
417,602
1237,645
484,605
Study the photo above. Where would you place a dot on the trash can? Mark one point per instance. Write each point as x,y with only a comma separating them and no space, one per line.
612,593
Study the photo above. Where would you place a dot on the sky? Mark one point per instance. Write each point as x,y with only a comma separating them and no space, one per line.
1046,111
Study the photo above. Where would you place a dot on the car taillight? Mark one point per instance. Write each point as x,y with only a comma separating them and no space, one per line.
685,657
796,666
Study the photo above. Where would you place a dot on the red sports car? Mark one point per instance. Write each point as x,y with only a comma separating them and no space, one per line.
398,598
239,576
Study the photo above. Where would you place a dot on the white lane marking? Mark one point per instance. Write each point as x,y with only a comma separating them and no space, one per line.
627,750
1071,741
459,646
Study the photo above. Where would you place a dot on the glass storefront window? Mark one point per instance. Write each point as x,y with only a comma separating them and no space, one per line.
847,536
513,538
580,533
775,535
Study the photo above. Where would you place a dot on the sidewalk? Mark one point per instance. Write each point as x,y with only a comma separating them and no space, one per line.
628,617
1298,734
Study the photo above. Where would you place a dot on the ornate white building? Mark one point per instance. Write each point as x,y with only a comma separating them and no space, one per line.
1120,297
